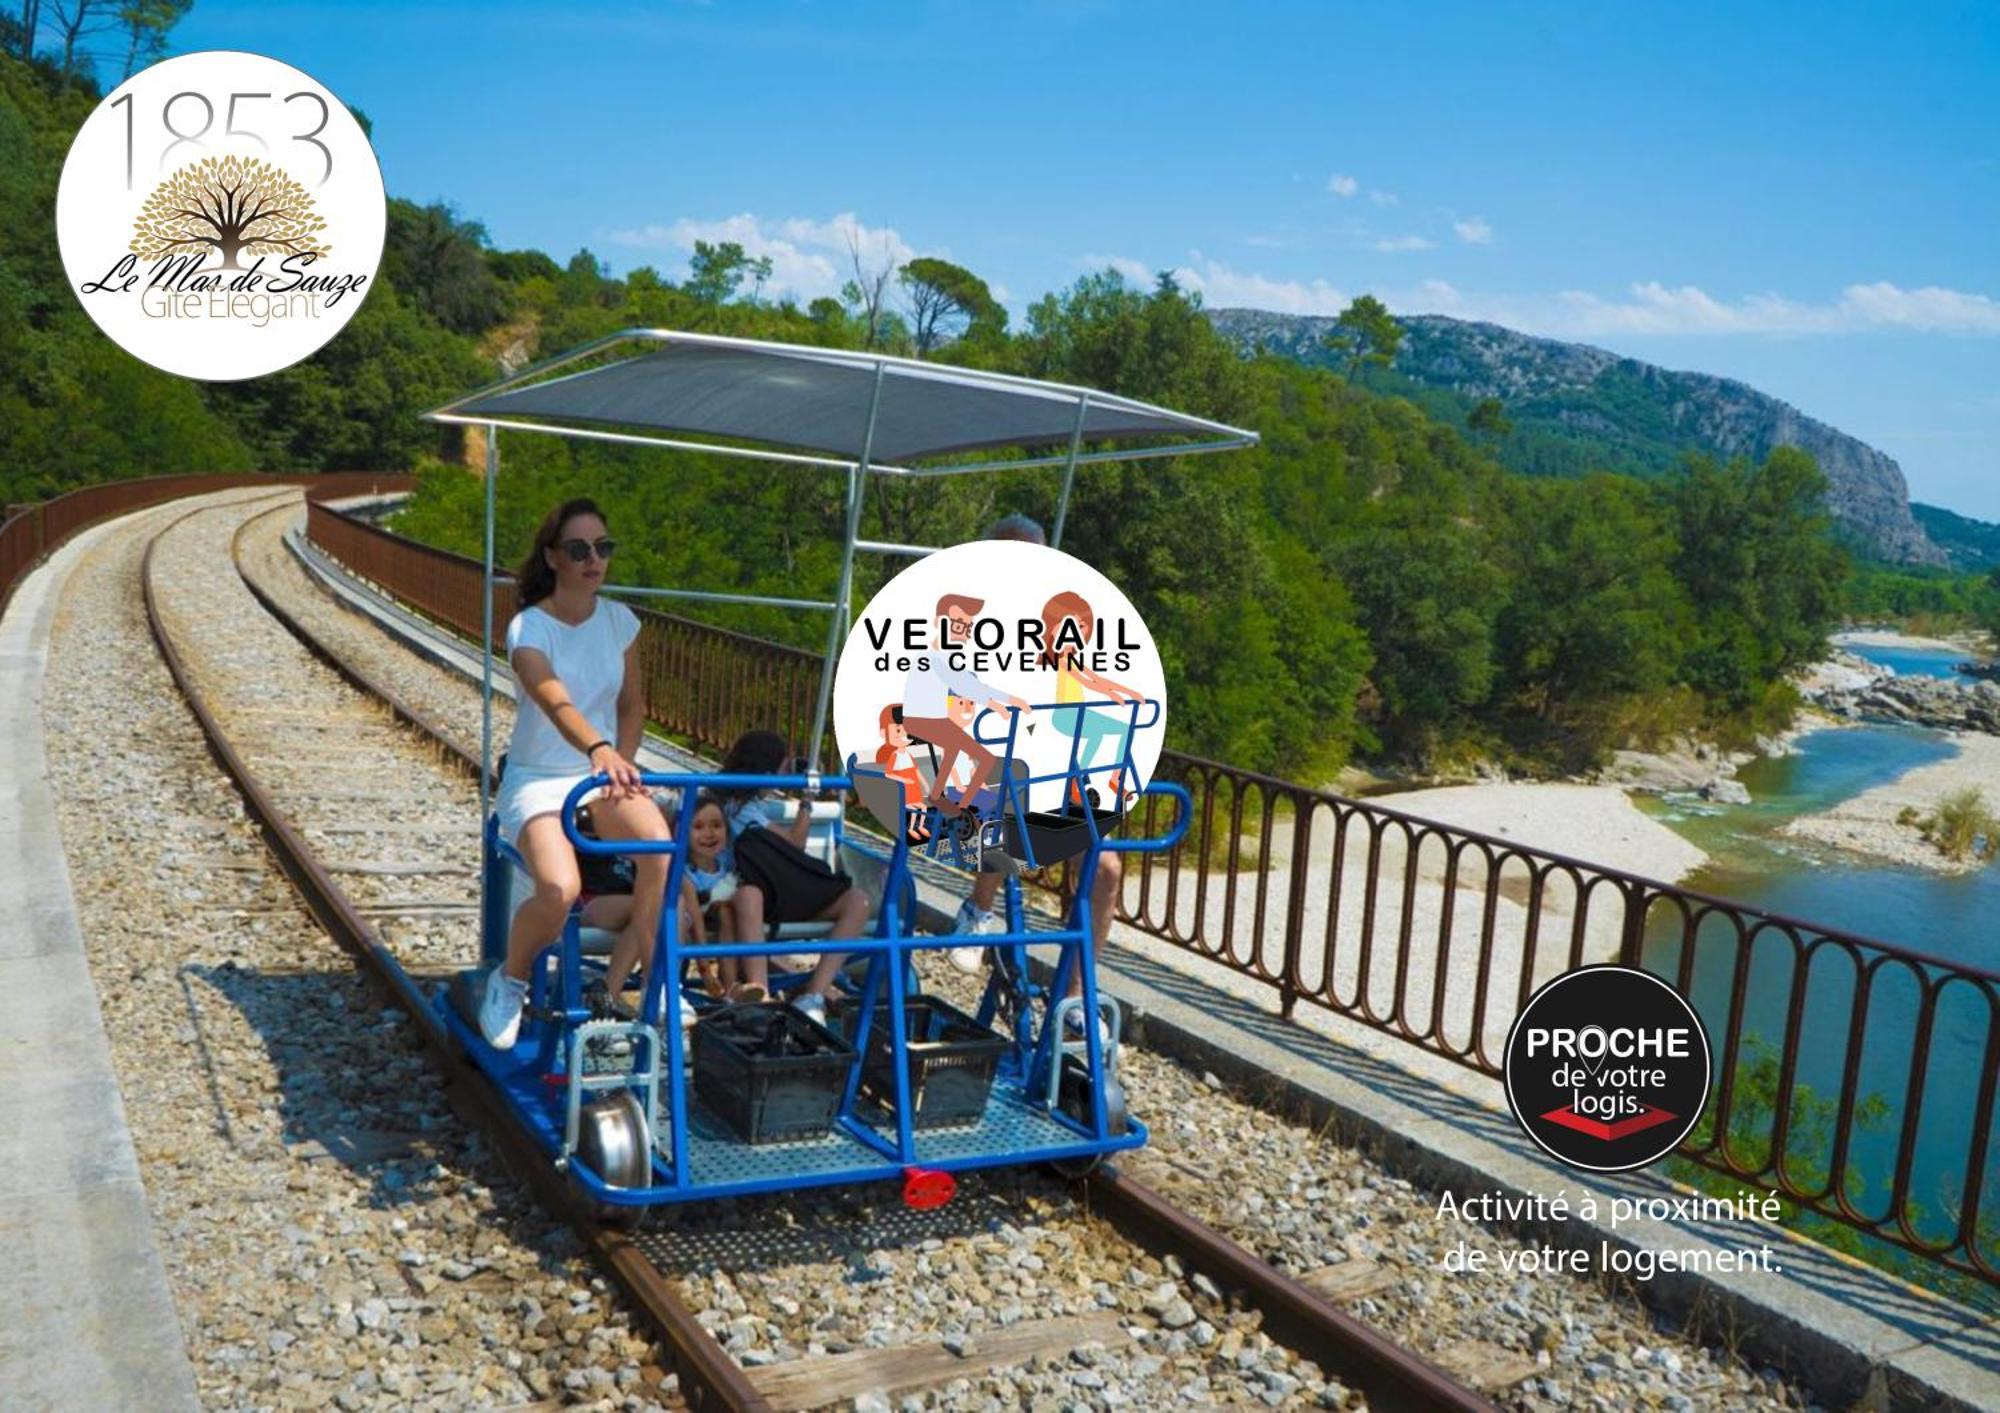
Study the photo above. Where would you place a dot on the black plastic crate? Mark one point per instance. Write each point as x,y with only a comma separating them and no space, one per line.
951,1060
769,1072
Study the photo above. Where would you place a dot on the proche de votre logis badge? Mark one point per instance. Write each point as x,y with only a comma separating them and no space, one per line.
220,215
1607,1068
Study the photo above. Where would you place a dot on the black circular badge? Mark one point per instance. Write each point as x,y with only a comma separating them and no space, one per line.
1607,1068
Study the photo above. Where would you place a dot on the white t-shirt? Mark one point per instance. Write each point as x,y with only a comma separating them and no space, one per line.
589,660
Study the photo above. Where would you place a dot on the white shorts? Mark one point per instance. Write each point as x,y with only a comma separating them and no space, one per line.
524,797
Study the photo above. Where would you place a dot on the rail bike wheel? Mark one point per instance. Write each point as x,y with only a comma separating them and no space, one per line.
613,1140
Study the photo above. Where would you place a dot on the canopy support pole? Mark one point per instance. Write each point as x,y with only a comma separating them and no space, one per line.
843,608
1069,470
486,675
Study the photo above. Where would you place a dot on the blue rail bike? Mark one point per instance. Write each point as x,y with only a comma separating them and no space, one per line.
613,1100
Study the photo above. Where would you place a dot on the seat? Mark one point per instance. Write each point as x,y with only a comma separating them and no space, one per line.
823,842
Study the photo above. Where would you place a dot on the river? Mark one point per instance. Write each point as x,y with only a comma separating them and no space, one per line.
1950,917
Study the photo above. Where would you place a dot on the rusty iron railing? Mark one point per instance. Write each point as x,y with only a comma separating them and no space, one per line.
1854,1077
30,532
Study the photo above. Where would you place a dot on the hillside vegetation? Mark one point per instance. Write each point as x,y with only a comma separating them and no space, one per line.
1369,579
1572,409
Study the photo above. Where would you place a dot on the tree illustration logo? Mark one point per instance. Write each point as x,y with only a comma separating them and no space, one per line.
233,206
221,215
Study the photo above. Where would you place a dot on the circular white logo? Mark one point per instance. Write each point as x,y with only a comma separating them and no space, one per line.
220,215
1001,660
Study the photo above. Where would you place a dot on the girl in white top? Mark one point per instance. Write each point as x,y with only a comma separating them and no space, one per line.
580,712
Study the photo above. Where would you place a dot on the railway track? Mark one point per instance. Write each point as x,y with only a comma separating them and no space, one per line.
258,745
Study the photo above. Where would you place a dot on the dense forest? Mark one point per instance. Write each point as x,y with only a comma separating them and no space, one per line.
1368,581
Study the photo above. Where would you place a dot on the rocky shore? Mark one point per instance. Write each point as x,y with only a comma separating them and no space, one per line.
1854,688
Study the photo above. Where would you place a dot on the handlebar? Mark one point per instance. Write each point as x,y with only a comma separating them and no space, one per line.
1113,703
1173,836
681,780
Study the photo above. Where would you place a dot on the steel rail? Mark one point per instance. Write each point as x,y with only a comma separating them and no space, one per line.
709,1378
1391,1376
1294,1313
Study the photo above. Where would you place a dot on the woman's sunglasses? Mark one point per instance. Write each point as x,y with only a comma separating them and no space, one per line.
580,550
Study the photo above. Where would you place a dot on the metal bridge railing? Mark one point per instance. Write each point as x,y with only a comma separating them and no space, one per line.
1854,1077
30,532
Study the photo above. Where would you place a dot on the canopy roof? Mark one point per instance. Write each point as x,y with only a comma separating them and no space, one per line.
818,400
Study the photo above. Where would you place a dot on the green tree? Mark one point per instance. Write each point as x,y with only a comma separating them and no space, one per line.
945,301
438,259
1986,600
1489,419
1757,559
1599,615
1365,333
1427,595
146,24
716,272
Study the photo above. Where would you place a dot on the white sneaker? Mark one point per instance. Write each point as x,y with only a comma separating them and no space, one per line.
811,1005
973,922
976,922
1073,1023
500,1009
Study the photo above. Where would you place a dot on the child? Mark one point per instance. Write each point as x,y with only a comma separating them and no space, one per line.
713,885
894,758
607,904
777,881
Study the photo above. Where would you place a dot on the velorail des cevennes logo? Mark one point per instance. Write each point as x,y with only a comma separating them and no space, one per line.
221,215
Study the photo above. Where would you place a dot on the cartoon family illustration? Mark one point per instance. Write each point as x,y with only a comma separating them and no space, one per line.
941,703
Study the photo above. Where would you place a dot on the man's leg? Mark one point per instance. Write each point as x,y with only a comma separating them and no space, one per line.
953,740
1103,910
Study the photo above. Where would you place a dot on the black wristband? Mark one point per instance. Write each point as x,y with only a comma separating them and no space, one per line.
591,749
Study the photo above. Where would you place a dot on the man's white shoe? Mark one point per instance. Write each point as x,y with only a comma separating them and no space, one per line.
500,1009
973,922
1073,1023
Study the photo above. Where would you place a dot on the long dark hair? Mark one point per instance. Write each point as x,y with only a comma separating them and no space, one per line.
537,580
755,753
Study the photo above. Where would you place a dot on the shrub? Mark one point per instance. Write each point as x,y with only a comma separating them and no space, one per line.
1962,825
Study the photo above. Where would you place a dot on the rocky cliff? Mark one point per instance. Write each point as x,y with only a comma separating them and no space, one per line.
1575,408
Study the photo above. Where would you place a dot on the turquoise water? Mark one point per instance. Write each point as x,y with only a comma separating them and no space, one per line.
1948,917
1907,907
1913,662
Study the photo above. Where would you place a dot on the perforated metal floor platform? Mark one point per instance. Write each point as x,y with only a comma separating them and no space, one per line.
1009,1128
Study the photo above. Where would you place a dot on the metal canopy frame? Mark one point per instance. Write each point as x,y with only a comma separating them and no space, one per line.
1208,436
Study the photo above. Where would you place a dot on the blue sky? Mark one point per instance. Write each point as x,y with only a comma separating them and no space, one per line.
1804,196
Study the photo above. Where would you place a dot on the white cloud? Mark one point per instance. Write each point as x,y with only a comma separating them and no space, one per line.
1136,272
1221,286
1474,230
1931,309
1403,242
1648,308
1342,185
809,258
1382,198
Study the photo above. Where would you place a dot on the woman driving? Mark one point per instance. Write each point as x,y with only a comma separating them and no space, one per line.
580,712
